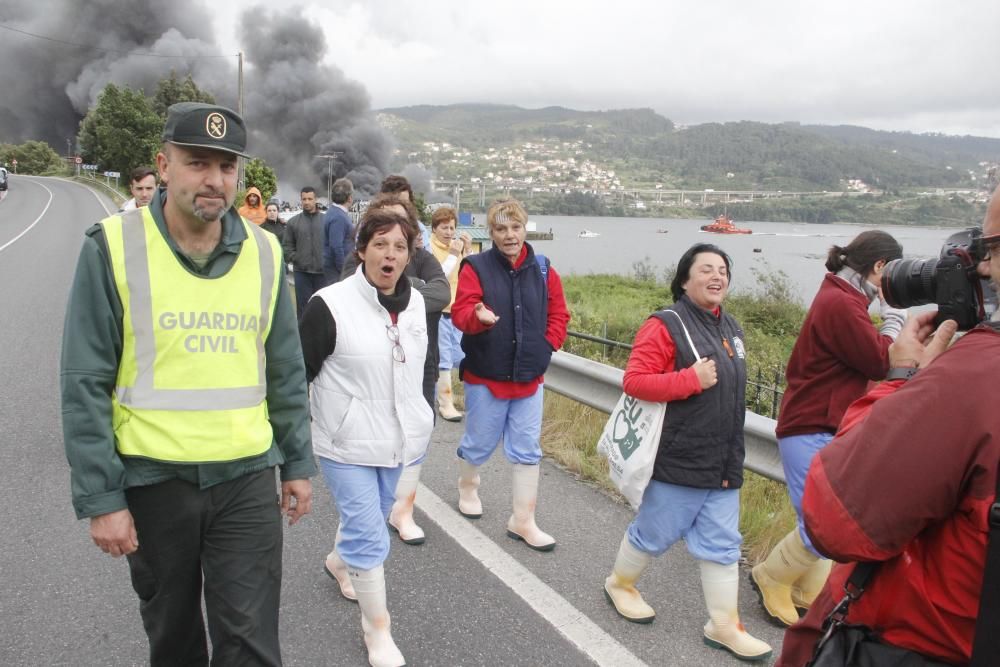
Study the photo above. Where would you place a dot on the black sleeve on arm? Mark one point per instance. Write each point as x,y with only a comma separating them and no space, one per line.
318,333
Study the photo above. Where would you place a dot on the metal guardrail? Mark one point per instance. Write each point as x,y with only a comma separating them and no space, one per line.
600,386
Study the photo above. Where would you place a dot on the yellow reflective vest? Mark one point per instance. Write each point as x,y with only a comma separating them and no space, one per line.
191,383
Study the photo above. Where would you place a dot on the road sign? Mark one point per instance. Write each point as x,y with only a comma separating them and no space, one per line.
79,160
88,167
112,174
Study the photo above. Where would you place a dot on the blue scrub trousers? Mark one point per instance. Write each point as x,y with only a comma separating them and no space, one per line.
364,496
797,452
488,419
449,344
707,519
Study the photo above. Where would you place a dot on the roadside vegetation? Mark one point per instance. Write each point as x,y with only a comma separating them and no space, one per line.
614,307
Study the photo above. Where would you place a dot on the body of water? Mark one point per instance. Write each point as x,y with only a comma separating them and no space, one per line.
798,249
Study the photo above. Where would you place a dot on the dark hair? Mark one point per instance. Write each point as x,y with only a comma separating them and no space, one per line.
384,201
140,173
341,191
381,220
306,189
687,259
270,204
863,252
396,184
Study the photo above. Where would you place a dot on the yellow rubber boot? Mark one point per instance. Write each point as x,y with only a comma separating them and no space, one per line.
805,590
721,586
788,561
620,588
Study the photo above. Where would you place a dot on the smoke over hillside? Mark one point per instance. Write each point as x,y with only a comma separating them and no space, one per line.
296,107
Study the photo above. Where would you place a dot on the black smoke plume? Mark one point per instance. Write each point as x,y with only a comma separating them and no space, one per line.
296,107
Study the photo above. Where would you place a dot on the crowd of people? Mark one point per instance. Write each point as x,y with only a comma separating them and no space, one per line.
201,394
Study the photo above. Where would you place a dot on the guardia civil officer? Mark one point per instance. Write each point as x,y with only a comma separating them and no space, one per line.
183,387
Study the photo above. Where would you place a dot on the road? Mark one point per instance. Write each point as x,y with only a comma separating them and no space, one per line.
469,596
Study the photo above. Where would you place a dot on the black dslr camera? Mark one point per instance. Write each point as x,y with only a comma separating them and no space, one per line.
950,281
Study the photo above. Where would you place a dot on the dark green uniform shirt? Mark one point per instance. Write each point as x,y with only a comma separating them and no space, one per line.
91,351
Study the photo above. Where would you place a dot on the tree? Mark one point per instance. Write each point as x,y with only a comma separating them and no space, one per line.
122,132
171,91
262,177
33,157
421,204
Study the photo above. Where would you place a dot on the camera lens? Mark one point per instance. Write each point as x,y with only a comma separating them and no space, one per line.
909,282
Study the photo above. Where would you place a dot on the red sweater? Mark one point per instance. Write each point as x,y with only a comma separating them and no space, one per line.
837,352
650,374
909,481
463,316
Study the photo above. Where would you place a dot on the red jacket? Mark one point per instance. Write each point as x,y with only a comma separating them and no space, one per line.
909,481
837,352
463,316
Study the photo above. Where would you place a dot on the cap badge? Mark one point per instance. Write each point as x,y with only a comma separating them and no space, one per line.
215,125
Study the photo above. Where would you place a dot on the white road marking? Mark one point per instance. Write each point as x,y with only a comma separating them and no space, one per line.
40,215
573,624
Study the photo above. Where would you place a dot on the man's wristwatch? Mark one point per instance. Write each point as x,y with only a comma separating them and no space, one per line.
903,373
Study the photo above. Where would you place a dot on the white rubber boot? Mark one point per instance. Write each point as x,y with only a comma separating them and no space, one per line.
370,587
805,590
521,525
401,515
772,578
721,586
446,399
469,504
336,569
620,588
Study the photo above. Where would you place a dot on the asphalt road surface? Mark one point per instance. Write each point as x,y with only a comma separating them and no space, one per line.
469,596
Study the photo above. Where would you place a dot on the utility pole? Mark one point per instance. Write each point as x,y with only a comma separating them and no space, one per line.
330,157
241,178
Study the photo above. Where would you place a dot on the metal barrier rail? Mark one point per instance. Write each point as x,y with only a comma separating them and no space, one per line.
600,386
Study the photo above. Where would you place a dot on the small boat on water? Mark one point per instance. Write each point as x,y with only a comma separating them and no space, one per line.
587,234
723,225
662,231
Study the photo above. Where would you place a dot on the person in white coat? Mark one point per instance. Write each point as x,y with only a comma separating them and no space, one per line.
364,340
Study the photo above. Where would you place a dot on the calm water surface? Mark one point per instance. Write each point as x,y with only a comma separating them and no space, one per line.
798,249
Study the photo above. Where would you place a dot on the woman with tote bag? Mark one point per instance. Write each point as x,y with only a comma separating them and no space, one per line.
698,471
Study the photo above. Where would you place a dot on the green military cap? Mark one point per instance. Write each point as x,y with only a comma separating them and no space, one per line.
206,126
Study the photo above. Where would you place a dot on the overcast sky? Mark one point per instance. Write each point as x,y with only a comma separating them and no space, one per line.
922,66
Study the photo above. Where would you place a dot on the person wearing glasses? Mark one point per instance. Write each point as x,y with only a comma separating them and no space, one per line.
364,340
838,351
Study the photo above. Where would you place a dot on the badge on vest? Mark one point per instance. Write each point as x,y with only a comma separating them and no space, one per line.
740,350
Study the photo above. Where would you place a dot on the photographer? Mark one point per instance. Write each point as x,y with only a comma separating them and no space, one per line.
908,482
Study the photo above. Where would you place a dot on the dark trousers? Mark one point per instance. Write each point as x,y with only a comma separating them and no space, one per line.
306,284
225,539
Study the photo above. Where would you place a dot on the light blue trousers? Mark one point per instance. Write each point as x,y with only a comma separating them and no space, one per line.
364,497
449,345
797,452
488,419
707,519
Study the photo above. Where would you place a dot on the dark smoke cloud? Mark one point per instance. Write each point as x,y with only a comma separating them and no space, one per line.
296,107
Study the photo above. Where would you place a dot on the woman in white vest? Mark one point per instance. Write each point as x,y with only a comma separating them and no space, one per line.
364,340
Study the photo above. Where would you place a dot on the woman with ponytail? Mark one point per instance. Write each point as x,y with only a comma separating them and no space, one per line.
837,353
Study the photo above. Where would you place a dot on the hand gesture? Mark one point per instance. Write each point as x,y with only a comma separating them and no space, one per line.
918,344
466,243
707,374
456,247
485,315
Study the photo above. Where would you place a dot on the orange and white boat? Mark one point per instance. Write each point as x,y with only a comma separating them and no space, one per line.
723,225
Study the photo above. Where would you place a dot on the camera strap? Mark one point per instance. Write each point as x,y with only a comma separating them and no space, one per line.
986,644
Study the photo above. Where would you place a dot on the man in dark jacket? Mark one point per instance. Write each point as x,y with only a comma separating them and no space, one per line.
303,244
338,230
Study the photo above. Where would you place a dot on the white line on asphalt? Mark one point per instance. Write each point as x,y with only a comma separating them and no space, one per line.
573,624
40,216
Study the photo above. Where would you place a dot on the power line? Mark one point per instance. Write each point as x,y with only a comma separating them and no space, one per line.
118,51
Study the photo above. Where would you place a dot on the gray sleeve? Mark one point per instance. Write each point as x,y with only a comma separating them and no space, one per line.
436,289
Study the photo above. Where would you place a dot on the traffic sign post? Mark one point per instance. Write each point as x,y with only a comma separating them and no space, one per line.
79,161
13,163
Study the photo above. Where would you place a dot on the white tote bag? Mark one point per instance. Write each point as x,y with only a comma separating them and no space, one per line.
631,439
